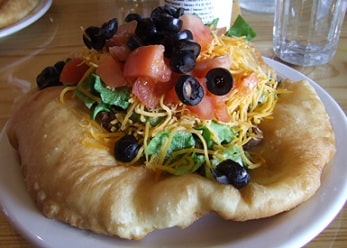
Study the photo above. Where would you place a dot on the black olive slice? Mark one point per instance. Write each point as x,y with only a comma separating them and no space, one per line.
48,77
187,45
133,17
145,29
189,90
93,38
182,62
219,81
236,174
126,148
167,22
184,35
108,29
134,42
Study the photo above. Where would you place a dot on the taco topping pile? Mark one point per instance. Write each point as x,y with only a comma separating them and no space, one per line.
173,93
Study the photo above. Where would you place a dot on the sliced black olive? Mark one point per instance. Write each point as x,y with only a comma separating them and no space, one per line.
184,35
133,17
167,22
145,29
59,66
108,29
167,9
93,38
187,45
48,77
179,12
134,42
126,148
189,90
219,81
182,62
219,176
235,174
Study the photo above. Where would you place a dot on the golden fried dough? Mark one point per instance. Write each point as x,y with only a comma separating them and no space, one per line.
11,11
84,186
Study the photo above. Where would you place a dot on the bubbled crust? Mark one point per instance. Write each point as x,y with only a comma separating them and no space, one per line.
85,187
12,11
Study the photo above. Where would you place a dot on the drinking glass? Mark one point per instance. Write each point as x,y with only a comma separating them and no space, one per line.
306,32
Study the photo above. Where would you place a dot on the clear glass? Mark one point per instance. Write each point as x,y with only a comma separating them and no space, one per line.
306,32
265,6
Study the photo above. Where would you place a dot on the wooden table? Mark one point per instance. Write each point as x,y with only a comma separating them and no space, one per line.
54,36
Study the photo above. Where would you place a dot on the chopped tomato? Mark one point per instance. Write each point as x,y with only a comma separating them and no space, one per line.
147,62
204,110
171,96
203,66
201,32
170,91
110,72
145,91
120,52
123,33
247,84
73,71
220,109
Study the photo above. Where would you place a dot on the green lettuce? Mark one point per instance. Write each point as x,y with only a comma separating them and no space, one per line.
180,140
241,28
98,98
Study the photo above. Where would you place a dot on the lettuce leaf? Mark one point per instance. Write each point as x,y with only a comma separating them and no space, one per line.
241,28
180,140
230,152
225,133
117,97
98,98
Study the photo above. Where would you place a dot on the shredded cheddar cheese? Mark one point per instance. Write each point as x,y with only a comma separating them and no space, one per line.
248,104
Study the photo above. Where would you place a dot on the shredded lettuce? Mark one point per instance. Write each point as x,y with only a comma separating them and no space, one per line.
180,140
230,152
225,134
117,97
98,98
241,28
187,163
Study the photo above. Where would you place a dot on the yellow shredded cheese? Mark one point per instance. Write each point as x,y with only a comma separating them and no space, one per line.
247,104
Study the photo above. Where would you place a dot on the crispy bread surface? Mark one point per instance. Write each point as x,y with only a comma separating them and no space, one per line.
11,11
85,187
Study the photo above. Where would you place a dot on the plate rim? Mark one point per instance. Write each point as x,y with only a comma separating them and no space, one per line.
39,239
41,8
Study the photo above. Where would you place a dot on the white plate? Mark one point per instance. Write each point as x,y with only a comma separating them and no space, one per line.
33,16
292,229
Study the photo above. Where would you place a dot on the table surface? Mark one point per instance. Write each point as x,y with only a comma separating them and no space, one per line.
54,36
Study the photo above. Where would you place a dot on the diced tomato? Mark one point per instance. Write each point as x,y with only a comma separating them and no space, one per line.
147,62
202,67
123,33
120,52
246,85
110,72
220,109
211,106
170,92
73,71
204,110
201,32
171,96
146,92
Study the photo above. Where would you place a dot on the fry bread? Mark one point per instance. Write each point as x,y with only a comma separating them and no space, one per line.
85,187
11,11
